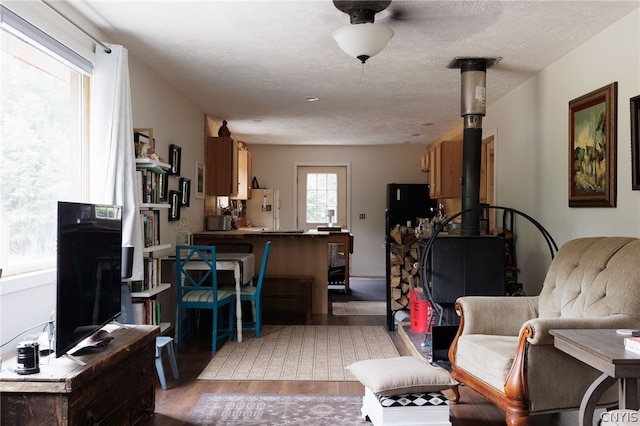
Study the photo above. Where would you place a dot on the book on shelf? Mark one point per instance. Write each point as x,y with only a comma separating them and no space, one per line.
152,186
147,311
152,275
138,312
150,227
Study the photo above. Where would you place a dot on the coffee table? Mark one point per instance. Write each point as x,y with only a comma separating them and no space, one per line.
604,350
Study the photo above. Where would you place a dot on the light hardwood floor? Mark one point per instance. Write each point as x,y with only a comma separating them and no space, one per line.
174,404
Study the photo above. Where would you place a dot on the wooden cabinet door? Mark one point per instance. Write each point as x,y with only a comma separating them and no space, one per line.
244,175
451,169
445,169
221,154
424,161
435,181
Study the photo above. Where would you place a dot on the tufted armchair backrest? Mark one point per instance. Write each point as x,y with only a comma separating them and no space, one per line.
593,277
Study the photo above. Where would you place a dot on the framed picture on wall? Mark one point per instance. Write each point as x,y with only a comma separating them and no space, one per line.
592,148
163,186
185,191
175,156
635,143
199,174
174,205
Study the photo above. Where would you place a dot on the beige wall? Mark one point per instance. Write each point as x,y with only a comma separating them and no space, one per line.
531,126
372,168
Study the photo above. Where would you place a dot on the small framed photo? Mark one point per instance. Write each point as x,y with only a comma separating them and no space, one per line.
635,143
175,155
174,205
199,180
143,142
185,191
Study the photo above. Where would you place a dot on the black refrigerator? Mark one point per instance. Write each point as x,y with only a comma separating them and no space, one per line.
405,204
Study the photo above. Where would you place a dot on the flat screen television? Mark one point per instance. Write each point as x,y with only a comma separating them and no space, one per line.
88,271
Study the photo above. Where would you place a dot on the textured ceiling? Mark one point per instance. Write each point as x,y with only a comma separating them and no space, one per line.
254,62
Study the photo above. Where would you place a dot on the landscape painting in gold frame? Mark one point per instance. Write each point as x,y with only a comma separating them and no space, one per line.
592,148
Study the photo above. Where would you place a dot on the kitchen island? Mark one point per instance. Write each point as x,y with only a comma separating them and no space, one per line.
292,253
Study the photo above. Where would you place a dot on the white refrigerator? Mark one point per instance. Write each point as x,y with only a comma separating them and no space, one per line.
263,209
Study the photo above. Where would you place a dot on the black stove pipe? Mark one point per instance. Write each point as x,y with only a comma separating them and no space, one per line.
473,106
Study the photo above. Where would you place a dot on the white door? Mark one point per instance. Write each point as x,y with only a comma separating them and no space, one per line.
321,189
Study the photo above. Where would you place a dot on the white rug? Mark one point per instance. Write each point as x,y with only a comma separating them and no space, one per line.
300,352
359,308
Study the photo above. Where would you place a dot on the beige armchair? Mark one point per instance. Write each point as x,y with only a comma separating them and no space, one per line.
503,348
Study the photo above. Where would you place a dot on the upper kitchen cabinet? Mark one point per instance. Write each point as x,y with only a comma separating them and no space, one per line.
445,169
244,175
221,158
424,162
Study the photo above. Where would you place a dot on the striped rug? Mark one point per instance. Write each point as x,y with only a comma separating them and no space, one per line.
300,352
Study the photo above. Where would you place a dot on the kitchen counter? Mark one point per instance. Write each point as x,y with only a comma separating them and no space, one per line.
292,253
261,232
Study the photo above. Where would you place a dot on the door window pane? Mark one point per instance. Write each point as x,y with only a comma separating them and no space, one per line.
322,195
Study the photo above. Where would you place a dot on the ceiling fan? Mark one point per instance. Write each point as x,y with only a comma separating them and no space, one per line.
362,39
439,21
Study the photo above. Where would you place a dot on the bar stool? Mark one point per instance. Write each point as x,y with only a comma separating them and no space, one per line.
165,342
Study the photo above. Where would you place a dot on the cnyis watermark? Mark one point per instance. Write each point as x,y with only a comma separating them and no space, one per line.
620,418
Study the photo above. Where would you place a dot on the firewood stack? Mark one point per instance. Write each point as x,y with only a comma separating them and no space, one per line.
405,259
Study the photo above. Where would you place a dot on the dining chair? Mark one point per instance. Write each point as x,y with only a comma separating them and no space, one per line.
253,294
197,281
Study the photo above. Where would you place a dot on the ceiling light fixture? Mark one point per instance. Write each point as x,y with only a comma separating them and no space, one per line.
311,98
362,39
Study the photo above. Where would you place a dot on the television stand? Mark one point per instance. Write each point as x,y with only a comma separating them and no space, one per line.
114,386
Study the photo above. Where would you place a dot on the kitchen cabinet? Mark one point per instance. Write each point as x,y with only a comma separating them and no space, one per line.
221,158
424,161
445,169
244,175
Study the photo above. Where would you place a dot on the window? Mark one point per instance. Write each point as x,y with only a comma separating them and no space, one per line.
322,195
320,188
42,160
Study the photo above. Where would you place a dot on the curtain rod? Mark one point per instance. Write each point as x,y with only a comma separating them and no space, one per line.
95,40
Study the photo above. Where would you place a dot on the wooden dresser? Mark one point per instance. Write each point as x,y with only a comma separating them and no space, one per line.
116,385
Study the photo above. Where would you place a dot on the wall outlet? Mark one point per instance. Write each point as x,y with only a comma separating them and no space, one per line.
362,215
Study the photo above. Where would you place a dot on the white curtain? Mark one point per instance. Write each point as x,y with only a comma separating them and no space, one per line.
112,155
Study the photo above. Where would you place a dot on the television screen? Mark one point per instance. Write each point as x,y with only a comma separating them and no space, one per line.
88,271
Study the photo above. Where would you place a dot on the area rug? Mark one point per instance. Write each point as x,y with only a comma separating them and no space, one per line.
300,352
243,409
358,308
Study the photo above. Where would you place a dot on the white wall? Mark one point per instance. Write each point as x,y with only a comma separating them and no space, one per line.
532,146
372,168
174,120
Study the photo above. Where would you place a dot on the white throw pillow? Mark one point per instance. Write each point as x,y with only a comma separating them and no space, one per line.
400,375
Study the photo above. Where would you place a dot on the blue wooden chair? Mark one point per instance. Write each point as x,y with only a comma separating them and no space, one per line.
253,294
197,282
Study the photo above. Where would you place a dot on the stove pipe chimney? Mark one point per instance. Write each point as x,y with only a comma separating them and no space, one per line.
473,106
